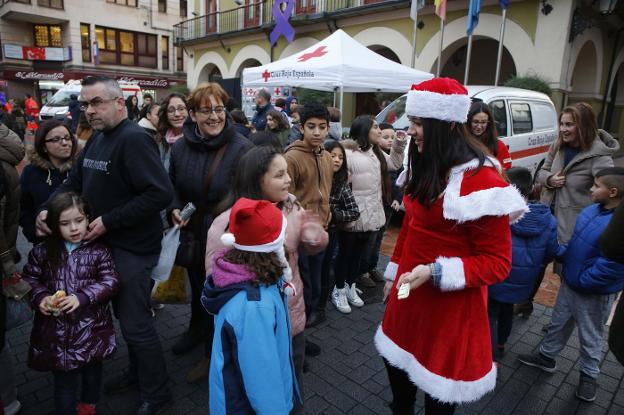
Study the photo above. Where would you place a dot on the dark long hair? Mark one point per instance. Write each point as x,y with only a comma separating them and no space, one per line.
133,110
282,124
342,175
163,121
55,243
43,131
490,136
444,147
360,128
251,168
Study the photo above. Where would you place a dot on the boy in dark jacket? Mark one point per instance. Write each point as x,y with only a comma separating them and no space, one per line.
534,244
590,284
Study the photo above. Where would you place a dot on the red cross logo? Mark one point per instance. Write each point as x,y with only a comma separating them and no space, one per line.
320,51
266,75
277,91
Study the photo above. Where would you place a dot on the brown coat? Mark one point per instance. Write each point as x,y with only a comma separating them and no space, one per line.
311,174
574,196
11,153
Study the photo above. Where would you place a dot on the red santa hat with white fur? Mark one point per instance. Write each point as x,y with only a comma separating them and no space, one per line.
259,226
439,98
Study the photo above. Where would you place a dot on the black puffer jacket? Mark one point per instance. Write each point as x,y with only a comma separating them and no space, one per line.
72,340
191,158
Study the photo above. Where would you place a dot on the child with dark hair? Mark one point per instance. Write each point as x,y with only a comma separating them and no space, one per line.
241,123
589,286
534,244
251,370
295,132
310,169
72,282
278,124
344,210
266,138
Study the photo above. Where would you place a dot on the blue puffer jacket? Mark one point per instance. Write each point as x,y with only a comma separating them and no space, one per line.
585,269
251,369
534,244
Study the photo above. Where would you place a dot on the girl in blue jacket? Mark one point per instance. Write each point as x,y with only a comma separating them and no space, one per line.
251,371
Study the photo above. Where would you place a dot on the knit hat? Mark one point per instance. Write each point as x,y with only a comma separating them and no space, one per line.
258,226
438,98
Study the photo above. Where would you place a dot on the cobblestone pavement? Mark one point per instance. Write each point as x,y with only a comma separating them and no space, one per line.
348,377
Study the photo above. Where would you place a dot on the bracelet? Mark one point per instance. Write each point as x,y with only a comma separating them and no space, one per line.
436,273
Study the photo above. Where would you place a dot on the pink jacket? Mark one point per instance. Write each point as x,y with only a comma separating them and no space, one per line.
295,215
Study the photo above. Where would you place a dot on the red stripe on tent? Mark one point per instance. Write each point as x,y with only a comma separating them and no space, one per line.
529,152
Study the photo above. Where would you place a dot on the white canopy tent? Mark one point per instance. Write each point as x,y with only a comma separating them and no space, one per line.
337,63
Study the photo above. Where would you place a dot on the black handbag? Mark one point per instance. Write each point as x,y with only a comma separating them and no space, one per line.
189,251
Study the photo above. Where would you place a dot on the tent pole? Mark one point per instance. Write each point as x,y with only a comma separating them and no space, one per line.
341,99
334,97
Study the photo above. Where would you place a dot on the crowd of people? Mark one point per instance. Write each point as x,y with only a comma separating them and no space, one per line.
290,216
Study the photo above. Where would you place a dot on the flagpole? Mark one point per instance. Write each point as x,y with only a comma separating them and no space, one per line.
440,51
468,54
414,41
500,48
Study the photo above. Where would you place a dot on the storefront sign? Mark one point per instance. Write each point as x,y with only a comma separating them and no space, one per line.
151,82
35,53
32,75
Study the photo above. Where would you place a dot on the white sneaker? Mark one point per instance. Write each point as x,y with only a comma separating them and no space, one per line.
13,408
352,295
339,299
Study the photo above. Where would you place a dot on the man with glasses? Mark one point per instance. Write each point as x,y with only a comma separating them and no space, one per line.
120,175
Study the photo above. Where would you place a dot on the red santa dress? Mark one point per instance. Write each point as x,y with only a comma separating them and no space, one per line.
440,335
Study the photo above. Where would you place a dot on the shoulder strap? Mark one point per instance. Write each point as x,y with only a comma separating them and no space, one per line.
209,176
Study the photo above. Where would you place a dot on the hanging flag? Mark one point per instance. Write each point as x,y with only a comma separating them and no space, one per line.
473,16
503,3
440,8
416,5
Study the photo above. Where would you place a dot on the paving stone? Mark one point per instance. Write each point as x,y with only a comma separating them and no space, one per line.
616,410
589,409
340,400
559,406
529,406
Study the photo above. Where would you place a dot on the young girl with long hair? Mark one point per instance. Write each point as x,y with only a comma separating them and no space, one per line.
344,210
368,168
278,125
72,282
481,126
454,242
252,368
262,174
172,114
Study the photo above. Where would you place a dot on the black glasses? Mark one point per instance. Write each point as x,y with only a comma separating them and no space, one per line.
95,102
59,139
172,110
205,110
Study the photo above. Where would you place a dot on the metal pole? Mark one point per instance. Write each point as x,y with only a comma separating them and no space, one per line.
468,54
440,51
414,41
341,103
500,48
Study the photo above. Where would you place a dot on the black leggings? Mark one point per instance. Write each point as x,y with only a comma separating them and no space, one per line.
349,263
404,395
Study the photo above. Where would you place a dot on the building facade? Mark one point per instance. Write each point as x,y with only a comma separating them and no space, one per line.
572,44
48,42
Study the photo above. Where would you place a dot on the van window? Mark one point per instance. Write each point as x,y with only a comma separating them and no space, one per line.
395,114
521,118
61,98
543,116
500,117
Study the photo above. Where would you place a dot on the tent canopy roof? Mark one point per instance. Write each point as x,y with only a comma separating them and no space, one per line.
336,61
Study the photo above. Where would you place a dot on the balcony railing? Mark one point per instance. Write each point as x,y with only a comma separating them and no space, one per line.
3,2
258,14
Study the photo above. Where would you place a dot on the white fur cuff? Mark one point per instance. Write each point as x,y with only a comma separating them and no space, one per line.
453,277
425,104
391,271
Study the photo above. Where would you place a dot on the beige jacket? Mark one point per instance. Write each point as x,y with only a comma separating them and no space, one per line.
294,215
574,196
365,178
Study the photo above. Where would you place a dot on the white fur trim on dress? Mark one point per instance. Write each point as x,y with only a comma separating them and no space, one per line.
495,201
443,389
427,104
453,277
391,271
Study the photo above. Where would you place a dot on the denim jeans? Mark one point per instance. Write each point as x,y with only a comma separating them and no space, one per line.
66,388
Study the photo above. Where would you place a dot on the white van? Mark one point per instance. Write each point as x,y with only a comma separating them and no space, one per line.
527,121
57,106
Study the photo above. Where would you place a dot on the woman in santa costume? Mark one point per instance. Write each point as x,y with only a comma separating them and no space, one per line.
454,242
